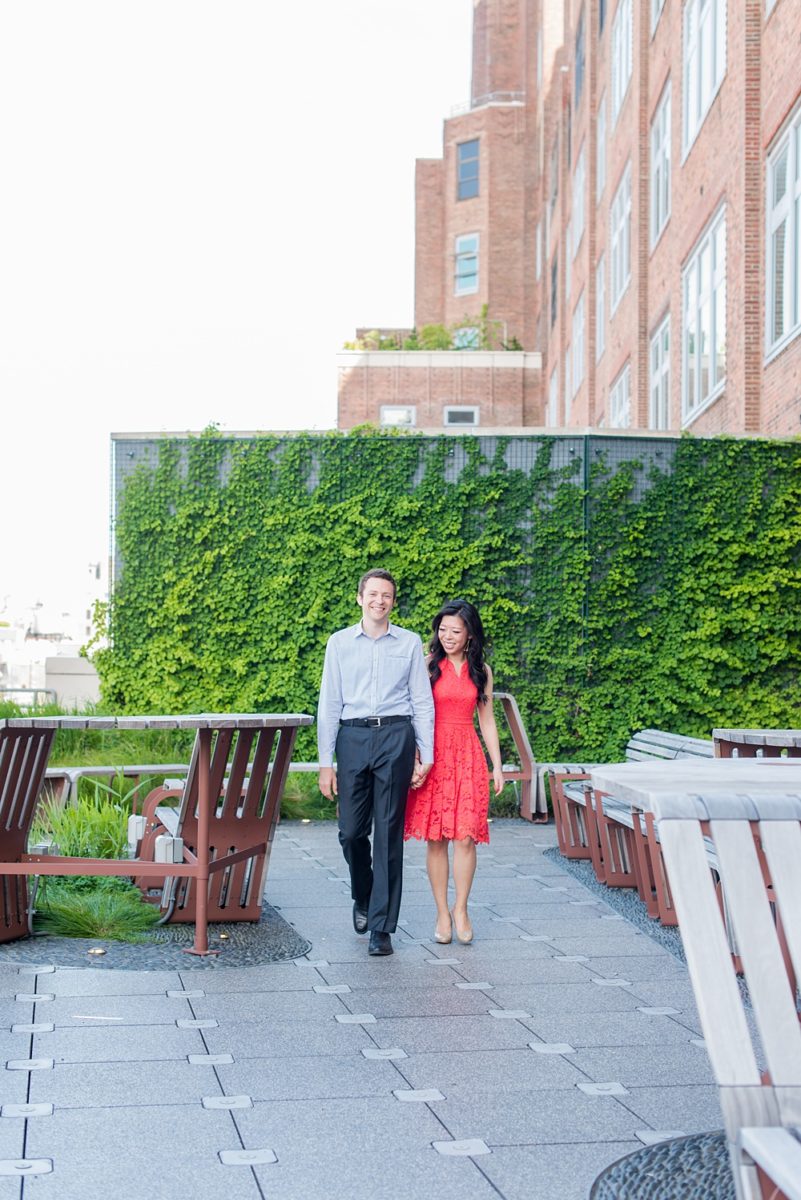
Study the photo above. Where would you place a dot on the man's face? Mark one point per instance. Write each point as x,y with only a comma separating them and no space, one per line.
377,599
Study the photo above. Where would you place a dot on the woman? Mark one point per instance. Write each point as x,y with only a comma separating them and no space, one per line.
451,803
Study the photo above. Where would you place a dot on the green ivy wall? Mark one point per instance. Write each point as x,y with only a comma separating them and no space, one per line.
622,585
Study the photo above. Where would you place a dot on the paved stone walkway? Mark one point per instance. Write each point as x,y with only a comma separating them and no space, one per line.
517,1067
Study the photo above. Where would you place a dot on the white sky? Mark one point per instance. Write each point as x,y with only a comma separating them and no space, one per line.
201,201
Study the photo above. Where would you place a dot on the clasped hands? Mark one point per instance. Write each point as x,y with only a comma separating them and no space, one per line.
419,773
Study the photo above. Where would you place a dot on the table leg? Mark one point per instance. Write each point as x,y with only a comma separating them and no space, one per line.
201,943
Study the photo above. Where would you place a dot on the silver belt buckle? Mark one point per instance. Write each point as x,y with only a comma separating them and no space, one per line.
376,721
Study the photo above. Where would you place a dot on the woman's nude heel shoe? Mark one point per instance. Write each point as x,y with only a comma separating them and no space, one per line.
465,936
444,939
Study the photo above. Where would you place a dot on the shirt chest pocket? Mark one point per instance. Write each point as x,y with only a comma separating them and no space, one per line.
395,671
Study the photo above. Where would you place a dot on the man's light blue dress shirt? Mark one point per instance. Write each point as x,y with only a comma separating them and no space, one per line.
374,677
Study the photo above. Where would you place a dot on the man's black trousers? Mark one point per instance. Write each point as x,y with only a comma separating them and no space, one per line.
374,770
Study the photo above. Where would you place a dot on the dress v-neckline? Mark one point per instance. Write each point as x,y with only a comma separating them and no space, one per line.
460,672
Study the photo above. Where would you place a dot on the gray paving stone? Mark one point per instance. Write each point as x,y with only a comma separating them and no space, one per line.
281,1039
566,1172
272,977
83,1011
466,1033
110,1159
489,1071
651,967
67,982
116,1043
308,1078
12,1137
569,998
533,970
692,1107
418,1002
299,1006
360,1175
608,1029
93,1085
536,1116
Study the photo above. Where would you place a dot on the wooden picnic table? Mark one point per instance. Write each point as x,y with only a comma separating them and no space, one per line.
748,743
25,745
641,783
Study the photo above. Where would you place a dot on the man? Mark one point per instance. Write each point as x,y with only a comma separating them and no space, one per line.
376,711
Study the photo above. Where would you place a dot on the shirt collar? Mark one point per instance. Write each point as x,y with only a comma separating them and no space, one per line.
392,630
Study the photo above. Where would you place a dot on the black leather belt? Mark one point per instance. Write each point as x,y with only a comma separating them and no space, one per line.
374,722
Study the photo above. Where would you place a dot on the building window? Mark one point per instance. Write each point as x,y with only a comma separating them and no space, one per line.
621,56
659,383
579,175
538,250
600,149
568,260
600,308
660,167
554,177
601,16
656,13
460,414
552,411
704,61
466,277
467,170
620,239
398,415
704,309
578,344
620,400
466,337
579,57
554,286
783,307
568,385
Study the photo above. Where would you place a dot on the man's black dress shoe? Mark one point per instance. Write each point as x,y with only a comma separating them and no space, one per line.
380,943
359,919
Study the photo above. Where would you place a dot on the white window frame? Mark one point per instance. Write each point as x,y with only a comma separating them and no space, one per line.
659,377
552,410
579,180
568,384
783,229
578,343
660,167
600,308
600,149
392,416
538,251
620,240
620,400
450,410
703,63
621,56
463,252
703,304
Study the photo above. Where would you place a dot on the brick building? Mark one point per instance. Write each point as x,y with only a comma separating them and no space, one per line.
622,198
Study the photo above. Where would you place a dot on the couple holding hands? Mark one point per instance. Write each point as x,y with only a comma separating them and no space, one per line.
409,762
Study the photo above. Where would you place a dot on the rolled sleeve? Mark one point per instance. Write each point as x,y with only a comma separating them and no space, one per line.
422,704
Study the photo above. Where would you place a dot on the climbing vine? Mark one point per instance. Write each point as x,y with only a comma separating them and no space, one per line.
618,594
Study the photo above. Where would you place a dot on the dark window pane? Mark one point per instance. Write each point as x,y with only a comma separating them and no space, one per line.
467,169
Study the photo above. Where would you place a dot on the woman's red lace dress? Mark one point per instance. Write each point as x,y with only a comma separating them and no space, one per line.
454,800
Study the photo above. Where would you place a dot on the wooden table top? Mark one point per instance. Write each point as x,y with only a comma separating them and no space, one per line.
643,784
180,721
760,737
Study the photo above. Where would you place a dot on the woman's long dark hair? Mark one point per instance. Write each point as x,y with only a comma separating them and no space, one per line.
474,649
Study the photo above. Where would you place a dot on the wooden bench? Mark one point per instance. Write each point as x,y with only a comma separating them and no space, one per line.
620,842
61,783
757,743
757,840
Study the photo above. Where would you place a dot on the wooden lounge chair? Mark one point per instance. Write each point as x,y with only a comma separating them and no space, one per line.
757,840
23,761
248,771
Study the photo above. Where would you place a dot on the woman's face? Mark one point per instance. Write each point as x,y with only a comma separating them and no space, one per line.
453,635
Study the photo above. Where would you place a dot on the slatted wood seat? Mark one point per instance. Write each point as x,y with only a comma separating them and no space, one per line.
757,840
23,762
248,771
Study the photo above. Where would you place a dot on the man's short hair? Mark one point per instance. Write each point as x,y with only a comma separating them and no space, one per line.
377,573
